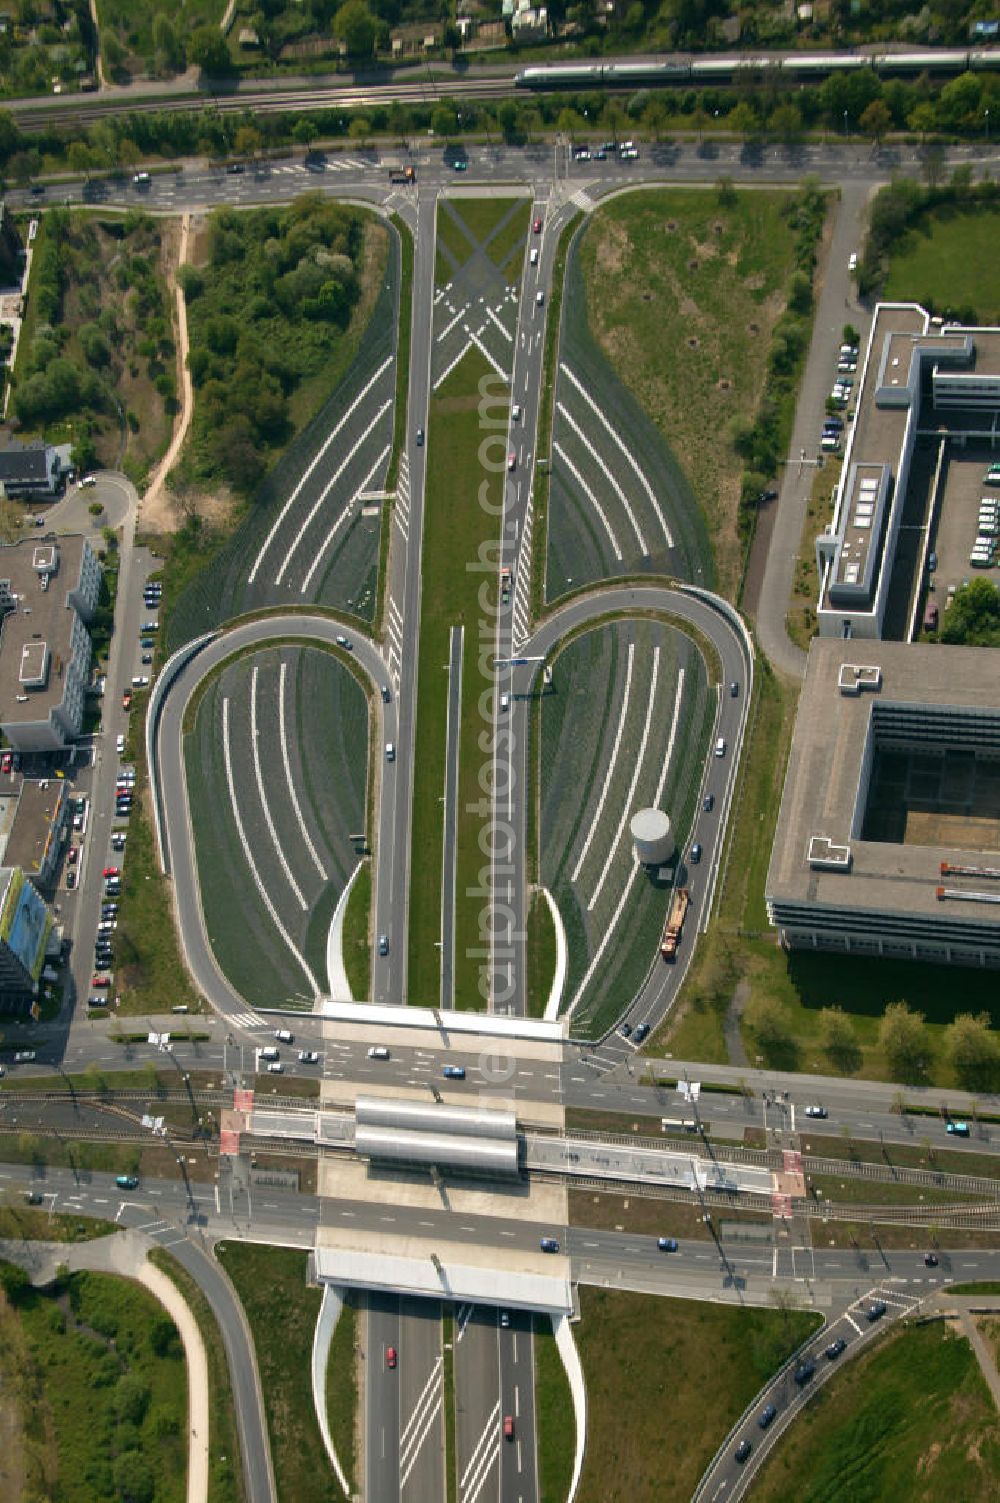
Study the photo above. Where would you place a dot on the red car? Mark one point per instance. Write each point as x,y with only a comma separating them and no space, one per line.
112,871
100,983
8,761
390,1356
72,854
537,226
511,460
127,700
508,1427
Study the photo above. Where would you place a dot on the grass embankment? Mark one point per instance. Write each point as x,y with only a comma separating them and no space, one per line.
357,936
342,1392
696,1029
403,338
948,259
150,976
911,1421
100,1157
459,557
555,1430
282,1311
225,1467
541,954
95,360
800,621
684,290
650,1217
96,1370
23,1223
667,1378
540,483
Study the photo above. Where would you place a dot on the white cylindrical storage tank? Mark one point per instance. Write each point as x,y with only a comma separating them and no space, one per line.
654,844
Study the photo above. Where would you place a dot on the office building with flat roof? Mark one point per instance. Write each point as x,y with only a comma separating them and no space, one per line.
48,592
888,836
919,377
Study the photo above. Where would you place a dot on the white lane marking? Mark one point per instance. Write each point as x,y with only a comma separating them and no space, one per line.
449,368
484,351
265,806
612,763
630,795
293,795
452,322
295,493
616,437
558,449
502,327
248,854
485,1452
571,420
324,493
321,551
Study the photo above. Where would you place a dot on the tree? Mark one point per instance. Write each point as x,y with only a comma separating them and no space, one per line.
771,1031
923,118
304,131
972,1049
169,56
247,141
208,51
133,1478
131,1398
876,121
355,27
973,618
839,1041
902,1037
444,121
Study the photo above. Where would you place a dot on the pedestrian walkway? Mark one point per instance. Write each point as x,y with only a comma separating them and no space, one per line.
125,1254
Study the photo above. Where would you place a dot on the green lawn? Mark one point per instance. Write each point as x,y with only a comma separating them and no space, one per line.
96,1368
666,1378
458,533
282,1312
225,1466
910,1422
949,262
357,942
555,1427
476,219
683,290
541,954
342,1390
514,234
24,1223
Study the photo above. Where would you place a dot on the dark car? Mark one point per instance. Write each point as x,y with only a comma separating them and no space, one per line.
454,1072
931,1260
549,1244
742,1451
696,853
667,1244
803,1373
766,1416
70,881
734,689
420,437
236,169
708,803
32,1197
626,1030
835,1348
642,1032
876,1311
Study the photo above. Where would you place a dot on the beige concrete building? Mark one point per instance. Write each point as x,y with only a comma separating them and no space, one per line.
888,837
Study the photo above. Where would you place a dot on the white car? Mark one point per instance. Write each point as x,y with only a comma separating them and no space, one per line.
276,1068
378,1051
852,261
308,1057
120,745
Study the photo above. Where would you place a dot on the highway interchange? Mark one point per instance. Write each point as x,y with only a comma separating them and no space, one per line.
403,1404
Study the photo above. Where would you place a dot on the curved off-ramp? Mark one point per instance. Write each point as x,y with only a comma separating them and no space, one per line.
165,738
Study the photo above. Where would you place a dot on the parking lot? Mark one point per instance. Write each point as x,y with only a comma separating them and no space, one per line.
957,525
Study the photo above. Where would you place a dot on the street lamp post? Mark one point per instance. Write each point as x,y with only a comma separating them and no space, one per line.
845,125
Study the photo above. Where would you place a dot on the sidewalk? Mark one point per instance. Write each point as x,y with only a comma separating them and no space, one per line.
125,1254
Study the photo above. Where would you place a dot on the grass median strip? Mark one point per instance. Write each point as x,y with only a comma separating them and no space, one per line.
357,941
459,559
342,1387
541,954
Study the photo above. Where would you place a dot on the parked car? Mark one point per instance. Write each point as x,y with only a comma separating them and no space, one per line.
24,1057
